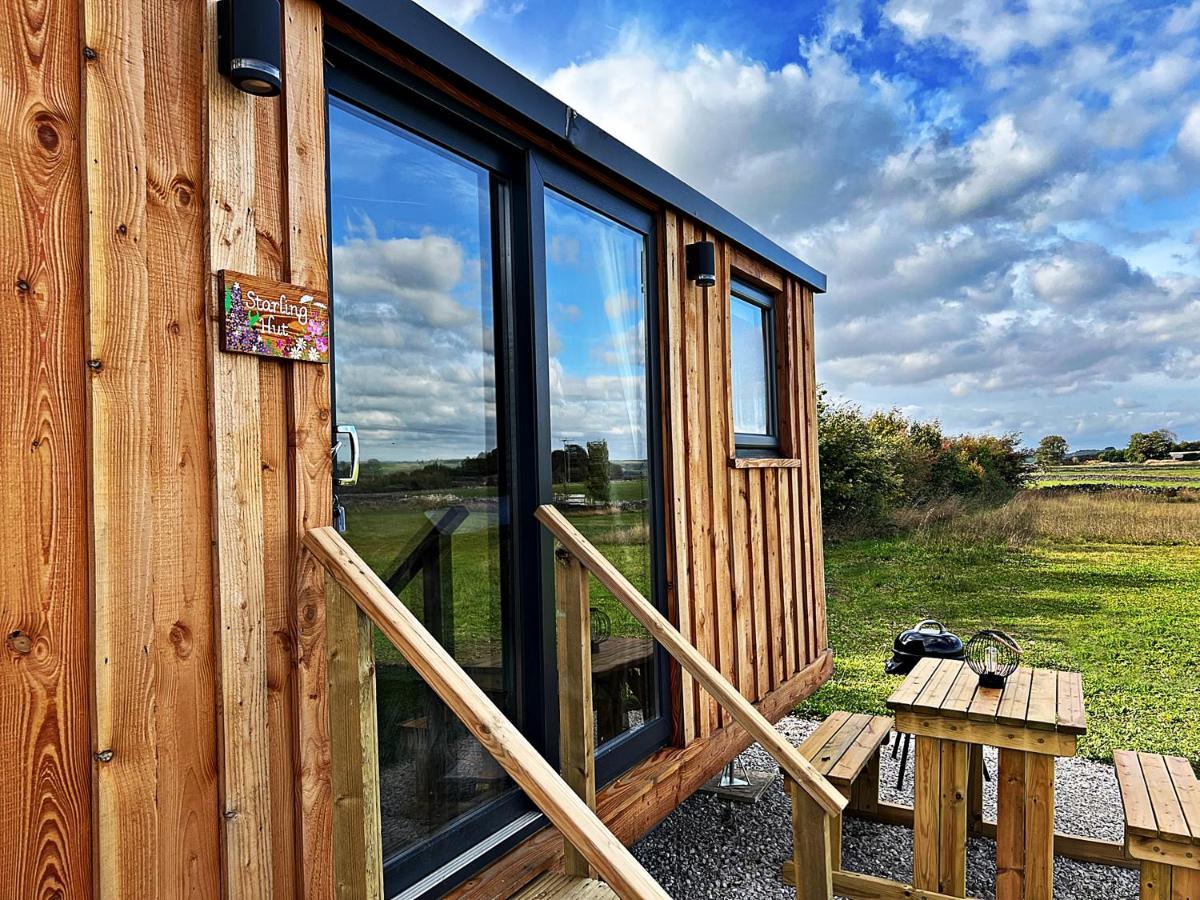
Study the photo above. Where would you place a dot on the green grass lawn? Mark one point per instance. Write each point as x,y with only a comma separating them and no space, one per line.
380,533
1126,616
1124,475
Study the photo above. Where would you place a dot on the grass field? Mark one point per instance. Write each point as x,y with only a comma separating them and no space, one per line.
380,533
1178,475
1108,585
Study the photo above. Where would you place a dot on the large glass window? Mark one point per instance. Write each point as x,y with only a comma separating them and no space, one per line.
596,299
752,362
416,374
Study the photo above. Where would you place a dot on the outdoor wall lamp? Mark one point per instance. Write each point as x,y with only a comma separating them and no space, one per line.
248,45
701,259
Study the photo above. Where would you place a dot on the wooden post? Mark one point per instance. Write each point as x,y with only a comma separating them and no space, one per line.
975,789
926,811
357,850
940,816
812,846
952,837
1155,881
1039,826
1010,826
865,795
577,751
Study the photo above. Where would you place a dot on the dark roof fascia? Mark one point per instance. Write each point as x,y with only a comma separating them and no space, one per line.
454,54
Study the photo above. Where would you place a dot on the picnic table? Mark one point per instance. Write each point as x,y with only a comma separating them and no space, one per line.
1035,718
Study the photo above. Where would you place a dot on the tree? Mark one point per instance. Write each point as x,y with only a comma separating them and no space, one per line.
1051,451
1155,445
598,482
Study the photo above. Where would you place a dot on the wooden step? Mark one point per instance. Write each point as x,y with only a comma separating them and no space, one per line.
557,886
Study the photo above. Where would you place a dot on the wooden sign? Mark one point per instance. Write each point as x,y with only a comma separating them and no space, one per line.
271,318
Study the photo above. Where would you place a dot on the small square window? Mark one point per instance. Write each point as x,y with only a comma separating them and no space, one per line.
752,362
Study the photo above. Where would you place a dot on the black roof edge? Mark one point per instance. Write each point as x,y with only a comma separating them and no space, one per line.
452,52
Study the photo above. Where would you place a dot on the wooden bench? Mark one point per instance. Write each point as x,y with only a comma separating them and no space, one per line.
1161,797
845,749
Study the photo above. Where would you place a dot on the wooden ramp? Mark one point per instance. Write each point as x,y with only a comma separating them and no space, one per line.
557,886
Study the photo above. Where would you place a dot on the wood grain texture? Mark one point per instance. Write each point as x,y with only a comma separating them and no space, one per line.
1039,826
681,567
176,248
310,474
927,813
952,840
808,362
237,508
576,710
484,720
697,445
45,665
348,784
812,847
270,230
118,343
720,440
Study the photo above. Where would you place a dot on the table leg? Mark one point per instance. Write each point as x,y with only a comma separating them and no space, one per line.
1039,827
975,791
1025,827
940,816
1010,826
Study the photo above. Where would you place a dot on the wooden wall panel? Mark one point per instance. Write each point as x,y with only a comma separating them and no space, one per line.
720,403
121,383
310,471
270,238
175,245
745,536
45,677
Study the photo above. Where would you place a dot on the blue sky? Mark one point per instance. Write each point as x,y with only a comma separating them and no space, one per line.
1004,195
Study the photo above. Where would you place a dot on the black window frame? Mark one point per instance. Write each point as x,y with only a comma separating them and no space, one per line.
748,445
620,754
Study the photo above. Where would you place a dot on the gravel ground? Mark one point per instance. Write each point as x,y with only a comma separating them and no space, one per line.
708,848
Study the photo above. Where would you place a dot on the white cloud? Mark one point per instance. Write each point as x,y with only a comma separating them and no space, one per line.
978,237
455,12
1188,141
991,29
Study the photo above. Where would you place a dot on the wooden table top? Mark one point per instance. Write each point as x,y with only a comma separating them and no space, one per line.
1039,699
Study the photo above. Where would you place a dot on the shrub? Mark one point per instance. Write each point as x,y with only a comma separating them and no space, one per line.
873,465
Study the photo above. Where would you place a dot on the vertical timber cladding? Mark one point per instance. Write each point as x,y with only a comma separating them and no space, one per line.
267,202
45,782
747,566
155,767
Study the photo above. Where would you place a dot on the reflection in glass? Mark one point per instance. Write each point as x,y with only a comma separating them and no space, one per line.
596,305
415,372
748,331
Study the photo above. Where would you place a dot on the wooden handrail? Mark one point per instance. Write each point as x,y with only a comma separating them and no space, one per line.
793,763
500,737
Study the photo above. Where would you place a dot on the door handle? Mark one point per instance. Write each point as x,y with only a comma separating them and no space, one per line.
350,432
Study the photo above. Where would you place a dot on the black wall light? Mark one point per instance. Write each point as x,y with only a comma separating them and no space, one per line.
701,259
248,44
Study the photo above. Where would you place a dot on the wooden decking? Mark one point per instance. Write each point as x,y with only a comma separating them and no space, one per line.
557,886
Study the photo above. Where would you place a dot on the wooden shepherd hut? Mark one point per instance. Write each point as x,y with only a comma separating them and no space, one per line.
408,490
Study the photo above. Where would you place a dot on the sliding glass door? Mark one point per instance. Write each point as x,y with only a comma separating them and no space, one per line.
493,319
418,276
604,461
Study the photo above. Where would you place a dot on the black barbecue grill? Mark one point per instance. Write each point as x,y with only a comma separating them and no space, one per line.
928,637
